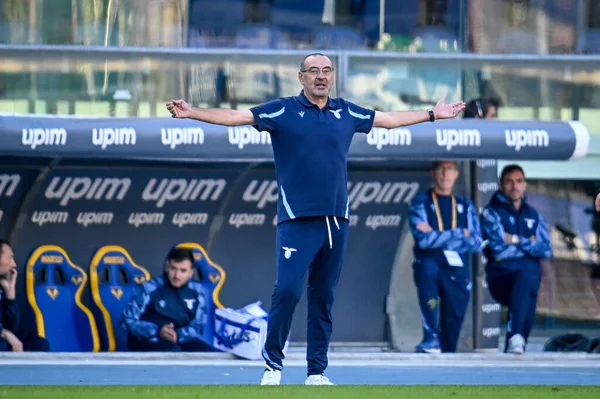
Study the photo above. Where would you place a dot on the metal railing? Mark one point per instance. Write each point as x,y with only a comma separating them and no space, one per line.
137,81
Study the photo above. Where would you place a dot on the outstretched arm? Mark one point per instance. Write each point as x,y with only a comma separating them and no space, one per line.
393,119
217,116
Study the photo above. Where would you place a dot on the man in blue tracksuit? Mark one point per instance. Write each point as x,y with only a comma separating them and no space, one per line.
168,313
446,231
518,240
310,135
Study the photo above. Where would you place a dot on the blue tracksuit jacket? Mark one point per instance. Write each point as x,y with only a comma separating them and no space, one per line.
500,217
156,303
434,243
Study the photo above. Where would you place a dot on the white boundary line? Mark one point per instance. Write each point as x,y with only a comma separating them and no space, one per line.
302,363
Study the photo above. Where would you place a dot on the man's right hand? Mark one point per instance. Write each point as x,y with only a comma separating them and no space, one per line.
167,332
13,341
424,227
179,109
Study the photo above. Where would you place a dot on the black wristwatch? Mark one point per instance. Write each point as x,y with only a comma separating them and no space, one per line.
431,115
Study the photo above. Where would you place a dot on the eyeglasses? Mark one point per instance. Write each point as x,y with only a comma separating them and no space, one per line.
314,71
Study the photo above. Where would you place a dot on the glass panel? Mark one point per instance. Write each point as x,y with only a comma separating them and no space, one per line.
564,88
124,83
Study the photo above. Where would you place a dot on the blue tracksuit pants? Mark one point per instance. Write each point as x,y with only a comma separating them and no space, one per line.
444,294
518,290
313,246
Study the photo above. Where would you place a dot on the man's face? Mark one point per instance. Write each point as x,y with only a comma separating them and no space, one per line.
445,175
514,185
179,273
7,260
318,76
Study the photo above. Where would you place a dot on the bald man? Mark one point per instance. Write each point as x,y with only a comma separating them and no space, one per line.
311,135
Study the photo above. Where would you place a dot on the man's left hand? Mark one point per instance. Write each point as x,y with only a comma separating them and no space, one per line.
445,111
9,284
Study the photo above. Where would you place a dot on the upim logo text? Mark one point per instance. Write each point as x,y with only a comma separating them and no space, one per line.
38,137
168,190
374,191
243,136
109,136
182,136
380,137
451,138
74,188
8,184
264,193
519,138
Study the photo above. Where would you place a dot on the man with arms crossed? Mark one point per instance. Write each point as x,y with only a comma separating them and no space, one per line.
446,231
518,240
311,135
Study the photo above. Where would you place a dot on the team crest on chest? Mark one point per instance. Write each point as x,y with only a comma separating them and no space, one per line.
530,223
336,113
190,303
460,208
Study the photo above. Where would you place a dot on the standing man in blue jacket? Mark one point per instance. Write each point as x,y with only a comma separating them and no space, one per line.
168,313
518,240
310,135
446,230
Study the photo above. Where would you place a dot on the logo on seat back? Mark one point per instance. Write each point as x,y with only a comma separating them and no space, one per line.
77,280
52,292
139,279
114,260
117,292
214,278
52,259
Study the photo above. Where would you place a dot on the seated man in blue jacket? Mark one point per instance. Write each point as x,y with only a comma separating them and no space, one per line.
518,239
14,334
446,230
168,313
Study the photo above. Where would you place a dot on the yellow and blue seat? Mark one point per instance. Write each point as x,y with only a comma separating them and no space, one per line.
211,275
113,274
54,291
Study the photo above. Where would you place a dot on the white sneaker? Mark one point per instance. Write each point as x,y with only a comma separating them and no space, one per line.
271,377
516,344
317,379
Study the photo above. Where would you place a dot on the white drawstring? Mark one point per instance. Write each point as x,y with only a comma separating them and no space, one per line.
329,232
329,229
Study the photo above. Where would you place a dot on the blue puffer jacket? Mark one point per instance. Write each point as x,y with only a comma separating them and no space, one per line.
156,303
500,217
